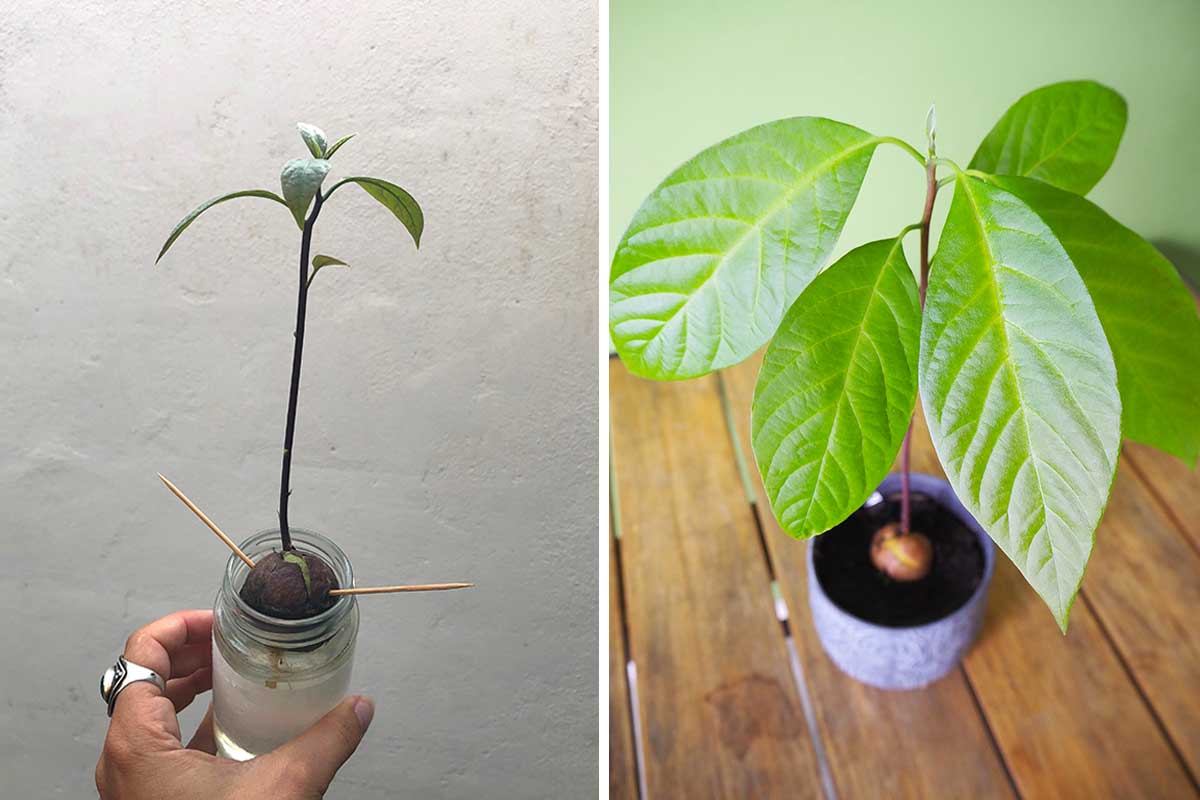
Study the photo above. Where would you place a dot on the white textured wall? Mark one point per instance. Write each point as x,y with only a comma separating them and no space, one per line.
447,426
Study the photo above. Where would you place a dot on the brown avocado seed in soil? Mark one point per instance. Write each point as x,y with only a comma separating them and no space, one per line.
902,557
290,585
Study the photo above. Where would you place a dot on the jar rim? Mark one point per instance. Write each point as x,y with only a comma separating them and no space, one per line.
256,545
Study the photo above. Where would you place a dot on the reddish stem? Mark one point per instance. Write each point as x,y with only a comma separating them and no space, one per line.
906,448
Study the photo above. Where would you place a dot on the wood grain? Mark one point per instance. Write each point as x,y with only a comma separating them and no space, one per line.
1068,720
622,768
721,713
1143,584
927,743
1172,482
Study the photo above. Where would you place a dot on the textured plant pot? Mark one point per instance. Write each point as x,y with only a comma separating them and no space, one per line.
911,657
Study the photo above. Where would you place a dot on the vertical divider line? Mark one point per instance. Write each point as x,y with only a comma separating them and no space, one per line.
631,696
777,599
631,680
743,470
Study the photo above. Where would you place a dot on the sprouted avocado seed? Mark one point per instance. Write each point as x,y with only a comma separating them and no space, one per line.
902,557
290,585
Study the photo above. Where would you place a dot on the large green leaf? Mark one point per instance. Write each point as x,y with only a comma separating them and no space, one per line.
301,179
837,388
395,199
191,217
1019,387
1065,134
1148,314
727,242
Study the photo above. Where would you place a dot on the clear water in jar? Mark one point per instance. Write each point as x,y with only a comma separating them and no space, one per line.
254,715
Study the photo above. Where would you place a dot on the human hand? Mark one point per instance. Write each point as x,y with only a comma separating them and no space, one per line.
144,757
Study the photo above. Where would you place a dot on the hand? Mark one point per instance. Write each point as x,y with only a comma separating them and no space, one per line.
144,758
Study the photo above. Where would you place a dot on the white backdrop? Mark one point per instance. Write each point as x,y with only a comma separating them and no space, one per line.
447,423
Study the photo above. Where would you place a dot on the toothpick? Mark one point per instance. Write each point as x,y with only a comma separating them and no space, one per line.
212,525
419,587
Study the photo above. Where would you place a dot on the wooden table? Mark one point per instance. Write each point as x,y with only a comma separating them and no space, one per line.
732,701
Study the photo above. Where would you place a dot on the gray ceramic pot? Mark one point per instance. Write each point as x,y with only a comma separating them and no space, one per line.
903,658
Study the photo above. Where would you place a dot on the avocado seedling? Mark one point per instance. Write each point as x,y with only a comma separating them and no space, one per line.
1040,333
289,583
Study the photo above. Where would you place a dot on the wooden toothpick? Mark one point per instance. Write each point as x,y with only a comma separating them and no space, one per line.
418,587
212,525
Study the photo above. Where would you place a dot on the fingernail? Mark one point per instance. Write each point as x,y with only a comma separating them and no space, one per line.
364,709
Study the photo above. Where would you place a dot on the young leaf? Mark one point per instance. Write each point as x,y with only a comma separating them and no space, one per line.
186,221
327,261
301,179
1065,134
727,242
1019,387
314,137
320,261
1148,314
837,388
337,145
395,199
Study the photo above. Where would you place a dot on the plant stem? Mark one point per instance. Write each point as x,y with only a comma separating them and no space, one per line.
906,449
285,479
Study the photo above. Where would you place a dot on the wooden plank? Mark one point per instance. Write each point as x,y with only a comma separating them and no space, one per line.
1143,583
721,714
1172,482
927,743
1068,720
622,768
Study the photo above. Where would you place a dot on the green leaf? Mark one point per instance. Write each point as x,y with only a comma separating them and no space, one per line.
1019,387
186,221
723,247
395,199
301,179
337,145
837,388
1148,314
298,560
320,261
327,261
1065,134
314,137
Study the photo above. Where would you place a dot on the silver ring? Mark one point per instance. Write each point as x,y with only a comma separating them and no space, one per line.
123,673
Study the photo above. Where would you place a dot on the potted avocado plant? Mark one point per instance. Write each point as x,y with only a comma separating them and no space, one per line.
1040,332
285,620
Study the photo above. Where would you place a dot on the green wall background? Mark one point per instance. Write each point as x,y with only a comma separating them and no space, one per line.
685,74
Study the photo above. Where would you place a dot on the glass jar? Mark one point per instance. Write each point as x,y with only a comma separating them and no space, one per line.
273,677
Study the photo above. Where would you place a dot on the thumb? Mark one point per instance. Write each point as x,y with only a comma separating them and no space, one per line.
310,761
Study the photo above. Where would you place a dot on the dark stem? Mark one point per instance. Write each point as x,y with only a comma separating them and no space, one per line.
906,448
285,479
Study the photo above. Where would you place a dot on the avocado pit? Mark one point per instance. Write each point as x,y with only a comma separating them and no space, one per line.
290,585
903,557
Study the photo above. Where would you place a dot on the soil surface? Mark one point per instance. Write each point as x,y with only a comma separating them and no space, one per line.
842,558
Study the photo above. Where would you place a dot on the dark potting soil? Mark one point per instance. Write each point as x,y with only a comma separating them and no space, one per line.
842,558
